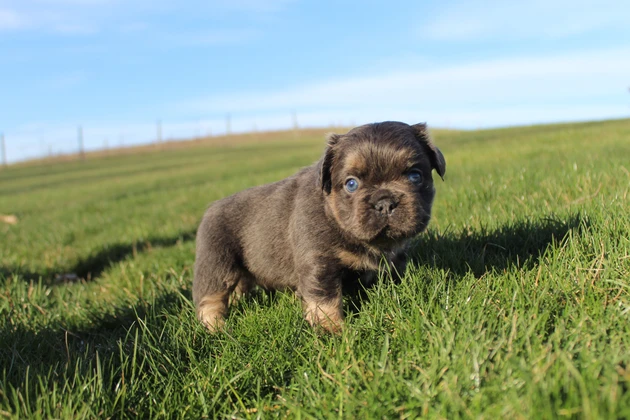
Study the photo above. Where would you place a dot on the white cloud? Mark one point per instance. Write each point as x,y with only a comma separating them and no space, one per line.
11,20
541,19
83,17
577,78
64,17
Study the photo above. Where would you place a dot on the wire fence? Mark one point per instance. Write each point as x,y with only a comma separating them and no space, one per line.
41,141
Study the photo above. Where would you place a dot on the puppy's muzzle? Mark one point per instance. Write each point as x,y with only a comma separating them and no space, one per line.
385,203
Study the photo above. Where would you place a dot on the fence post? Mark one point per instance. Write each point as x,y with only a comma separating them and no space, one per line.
80,138
228,124
159,131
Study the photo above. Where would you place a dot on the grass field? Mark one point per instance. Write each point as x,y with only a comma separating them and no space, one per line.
517,304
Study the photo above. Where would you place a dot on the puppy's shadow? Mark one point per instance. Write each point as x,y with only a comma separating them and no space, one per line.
514,245
92,266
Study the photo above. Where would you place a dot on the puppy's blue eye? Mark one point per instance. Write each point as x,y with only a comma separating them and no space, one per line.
415,177
352,185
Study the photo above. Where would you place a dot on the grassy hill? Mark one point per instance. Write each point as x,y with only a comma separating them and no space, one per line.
517,304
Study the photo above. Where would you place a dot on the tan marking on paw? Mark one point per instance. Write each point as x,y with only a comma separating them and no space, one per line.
212,309
327,315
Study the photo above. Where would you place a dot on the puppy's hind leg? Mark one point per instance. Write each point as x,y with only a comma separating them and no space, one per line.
212,287
211,310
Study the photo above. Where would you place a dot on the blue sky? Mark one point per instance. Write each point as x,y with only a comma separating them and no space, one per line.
117,66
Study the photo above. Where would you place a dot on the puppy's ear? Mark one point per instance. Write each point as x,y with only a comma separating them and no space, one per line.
437,158
325,167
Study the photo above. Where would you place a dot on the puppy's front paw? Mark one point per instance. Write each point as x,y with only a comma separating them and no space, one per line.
327,315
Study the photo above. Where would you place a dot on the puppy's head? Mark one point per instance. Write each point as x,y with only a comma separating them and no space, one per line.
377,181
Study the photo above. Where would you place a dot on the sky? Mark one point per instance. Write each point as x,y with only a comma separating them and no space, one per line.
117,67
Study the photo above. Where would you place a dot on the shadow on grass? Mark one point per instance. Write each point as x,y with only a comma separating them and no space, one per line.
519,245
94,265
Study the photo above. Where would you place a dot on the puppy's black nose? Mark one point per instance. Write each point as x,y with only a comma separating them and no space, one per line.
385,206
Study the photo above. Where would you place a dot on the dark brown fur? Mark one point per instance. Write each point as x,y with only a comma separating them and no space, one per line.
308,233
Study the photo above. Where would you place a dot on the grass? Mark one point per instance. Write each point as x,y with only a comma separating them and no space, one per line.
517,304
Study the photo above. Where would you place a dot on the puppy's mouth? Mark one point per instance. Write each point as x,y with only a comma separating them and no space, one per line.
390,233
383,236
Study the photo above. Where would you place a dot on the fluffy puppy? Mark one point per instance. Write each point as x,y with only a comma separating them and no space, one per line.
345,217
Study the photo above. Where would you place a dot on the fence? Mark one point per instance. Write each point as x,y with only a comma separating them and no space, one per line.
47,141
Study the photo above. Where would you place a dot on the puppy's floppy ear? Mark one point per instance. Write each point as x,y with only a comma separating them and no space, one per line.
437,158
325,167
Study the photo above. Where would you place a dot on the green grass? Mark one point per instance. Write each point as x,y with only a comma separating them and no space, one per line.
517,304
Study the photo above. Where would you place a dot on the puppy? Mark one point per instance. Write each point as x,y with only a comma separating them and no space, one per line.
345,217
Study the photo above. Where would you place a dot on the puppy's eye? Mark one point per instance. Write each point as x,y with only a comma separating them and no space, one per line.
415,176
352,185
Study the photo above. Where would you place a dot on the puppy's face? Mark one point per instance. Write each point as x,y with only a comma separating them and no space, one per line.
377,181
